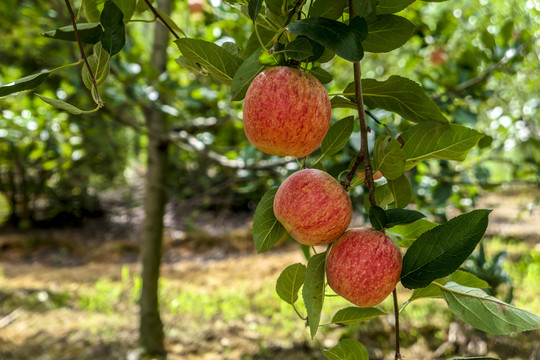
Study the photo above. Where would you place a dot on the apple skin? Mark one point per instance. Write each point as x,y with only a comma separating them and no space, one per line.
195,6
313,207
286,112
363,266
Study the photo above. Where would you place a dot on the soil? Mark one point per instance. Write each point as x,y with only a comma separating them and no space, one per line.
211,252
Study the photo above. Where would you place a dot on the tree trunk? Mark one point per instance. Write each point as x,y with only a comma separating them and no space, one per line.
150,325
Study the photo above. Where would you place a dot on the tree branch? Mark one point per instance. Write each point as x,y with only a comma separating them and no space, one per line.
487,74
83,55
158,15
396,317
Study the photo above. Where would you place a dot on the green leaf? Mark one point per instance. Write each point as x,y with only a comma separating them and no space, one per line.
461,277
402,216
388,33
245,74
340,102
254,7
377,218
353,314
363,7
313,290
347,349
388,157
299,49
25,83
99,63
383,197
487,313
330,9
440,251
62,105
337,136
402,96
392,6
89,33
91,9
127,7
407,234
342,39
433,140
322,75
231,47
114,34
290,281
167,19
267,230
401,190
189,65
220,63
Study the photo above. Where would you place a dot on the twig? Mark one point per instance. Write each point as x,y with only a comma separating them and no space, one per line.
9,318
346,183
158,15
396,316
297,8
488,73
83,55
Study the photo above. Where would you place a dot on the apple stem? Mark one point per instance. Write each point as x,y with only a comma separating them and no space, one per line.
396,315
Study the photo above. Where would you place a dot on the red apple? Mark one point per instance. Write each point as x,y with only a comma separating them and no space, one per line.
376,176
313,207
286,112
363,266
195,6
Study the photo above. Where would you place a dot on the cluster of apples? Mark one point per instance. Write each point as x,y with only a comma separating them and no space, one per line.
287,112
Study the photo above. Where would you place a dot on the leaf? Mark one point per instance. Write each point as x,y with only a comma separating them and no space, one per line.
89,33
231,47
189,65
267,230
290,281
99,63
461,277
402,216
388,157
363,7
392,6
254,8
401,190
114,32
221,64
383,197
487,313
353,314
340,102
313,290
440,251
62,105
299,49
25,83
433,140
377,218
92,9
410,232
388,33
322,75
127,7
330,9
167,19
337,136
347,349
342,39
245,74
400,95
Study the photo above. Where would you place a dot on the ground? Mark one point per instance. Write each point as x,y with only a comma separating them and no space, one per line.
69,294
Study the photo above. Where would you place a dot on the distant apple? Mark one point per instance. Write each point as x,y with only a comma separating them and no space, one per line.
363,266
313,207
438,57
376,176
195,6
286,112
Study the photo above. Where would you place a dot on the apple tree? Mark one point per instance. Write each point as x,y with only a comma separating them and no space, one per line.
280,72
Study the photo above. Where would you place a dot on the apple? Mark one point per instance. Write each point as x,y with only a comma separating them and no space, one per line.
376,176
195,6
286,112
313,207
363,266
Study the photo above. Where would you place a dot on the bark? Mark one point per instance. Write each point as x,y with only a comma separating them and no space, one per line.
151,335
